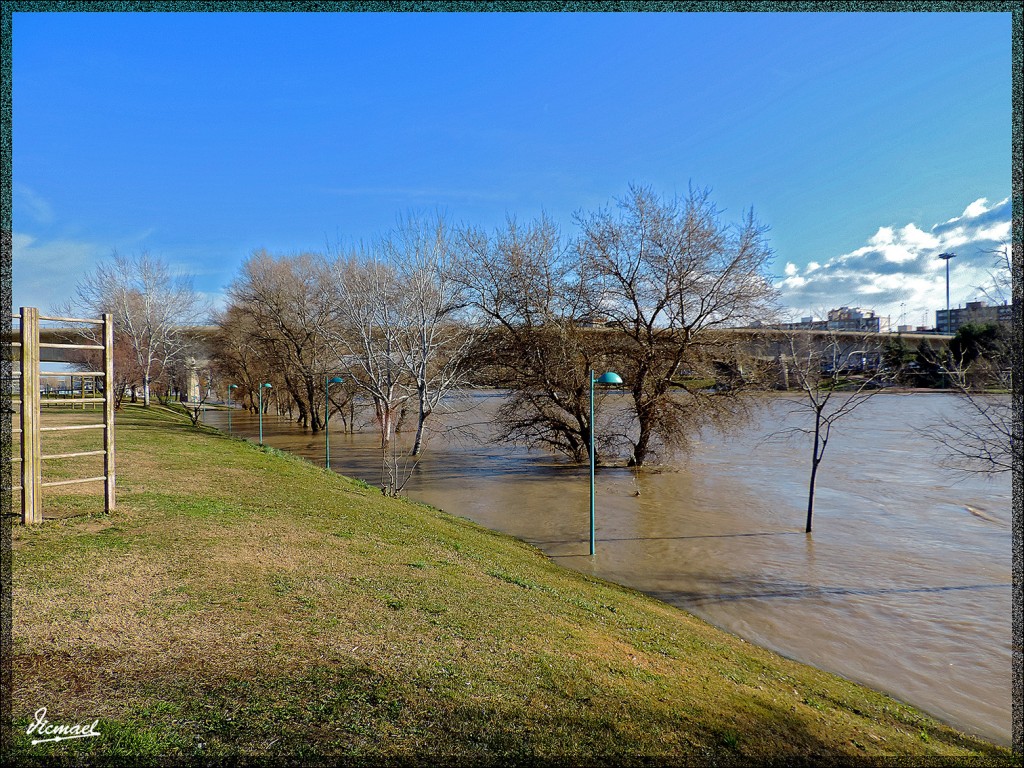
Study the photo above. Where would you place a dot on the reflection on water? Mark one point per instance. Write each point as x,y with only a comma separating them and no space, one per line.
904,584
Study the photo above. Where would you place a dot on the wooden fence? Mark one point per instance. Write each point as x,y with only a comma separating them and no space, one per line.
31,353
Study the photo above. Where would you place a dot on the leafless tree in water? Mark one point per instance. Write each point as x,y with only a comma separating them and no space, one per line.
285,308
668,273
525,283
835,376
395,328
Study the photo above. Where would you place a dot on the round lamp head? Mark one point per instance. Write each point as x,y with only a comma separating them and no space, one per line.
609,378
267,385
232,386
336,380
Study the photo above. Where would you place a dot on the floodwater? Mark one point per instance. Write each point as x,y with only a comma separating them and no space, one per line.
904,585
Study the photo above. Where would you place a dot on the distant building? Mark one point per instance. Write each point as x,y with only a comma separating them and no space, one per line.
855,319
974,312
842,319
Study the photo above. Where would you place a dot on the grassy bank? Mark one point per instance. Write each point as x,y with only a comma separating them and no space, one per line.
241,602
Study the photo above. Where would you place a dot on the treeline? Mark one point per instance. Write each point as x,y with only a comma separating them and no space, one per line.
429,309
401,325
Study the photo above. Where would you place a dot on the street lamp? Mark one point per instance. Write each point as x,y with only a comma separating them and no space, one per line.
949,320
260,393
230,387
605,378
327,416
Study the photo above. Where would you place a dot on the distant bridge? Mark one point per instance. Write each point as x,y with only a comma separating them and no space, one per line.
762,343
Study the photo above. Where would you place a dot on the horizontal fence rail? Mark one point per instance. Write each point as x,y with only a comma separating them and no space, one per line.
61,345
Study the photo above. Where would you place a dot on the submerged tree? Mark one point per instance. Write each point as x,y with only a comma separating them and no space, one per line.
282,305
666,275
395,330
527,286
835,375
437,334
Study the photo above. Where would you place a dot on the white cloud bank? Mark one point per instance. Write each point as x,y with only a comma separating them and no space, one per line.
898,273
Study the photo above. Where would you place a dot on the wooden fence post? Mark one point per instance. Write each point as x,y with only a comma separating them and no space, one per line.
108,410
31,463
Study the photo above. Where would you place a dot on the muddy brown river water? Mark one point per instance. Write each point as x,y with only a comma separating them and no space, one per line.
904,585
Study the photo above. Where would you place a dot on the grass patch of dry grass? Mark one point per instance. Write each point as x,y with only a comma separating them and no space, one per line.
243,603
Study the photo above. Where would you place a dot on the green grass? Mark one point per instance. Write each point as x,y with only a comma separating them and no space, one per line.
241,602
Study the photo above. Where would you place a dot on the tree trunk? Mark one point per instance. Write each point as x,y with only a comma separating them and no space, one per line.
421,418
815,461
314,413
645,413
643,443
145,391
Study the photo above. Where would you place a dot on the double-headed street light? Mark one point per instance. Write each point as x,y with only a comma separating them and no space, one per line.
327,416
949,320
260,392
605,378
230,387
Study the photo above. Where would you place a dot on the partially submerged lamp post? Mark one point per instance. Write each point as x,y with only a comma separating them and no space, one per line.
327,415
260,392
230,387
605,378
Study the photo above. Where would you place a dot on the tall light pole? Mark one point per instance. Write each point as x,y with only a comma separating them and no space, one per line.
230,387
327,416
606,378
949,320
260,391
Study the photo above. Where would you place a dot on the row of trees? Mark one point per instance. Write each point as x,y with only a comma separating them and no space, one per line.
154,310
412,318
429,308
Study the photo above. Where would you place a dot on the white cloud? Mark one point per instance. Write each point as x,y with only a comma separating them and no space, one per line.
997,232
911,235
975,209
45,273
898,274
884,236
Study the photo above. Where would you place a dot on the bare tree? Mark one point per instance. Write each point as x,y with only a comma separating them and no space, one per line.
526,284
835,374
367,334
1000,286
370,334
981,435
395,328
437,335
152,309
667,273
287,310
238,355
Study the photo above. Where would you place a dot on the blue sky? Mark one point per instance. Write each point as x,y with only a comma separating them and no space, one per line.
868,142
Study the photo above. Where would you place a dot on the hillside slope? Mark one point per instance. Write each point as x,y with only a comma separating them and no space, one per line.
240,602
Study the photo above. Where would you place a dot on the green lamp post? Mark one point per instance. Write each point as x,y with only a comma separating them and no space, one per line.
605,378
230,387
327,416
260,392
